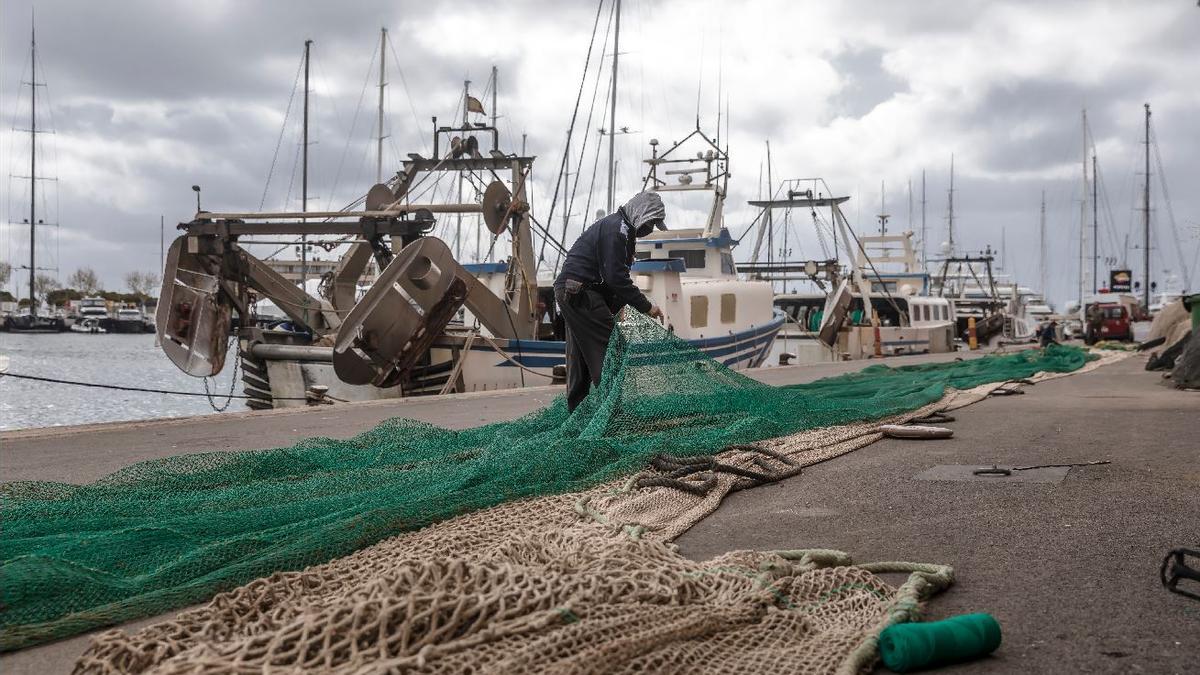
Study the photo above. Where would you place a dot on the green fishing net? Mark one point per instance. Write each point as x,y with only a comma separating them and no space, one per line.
166,533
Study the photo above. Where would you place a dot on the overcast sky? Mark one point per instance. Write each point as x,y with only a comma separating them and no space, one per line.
149,98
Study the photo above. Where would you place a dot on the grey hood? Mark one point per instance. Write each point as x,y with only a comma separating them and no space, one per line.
643,208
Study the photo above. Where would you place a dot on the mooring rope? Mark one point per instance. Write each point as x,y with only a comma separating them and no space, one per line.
99,385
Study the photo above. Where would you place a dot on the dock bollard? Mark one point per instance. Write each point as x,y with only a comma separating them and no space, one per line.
972,340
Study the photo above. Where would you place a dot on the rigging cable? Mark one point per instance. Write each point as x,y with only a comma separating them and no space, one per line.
584,147
282,129
571,129
1162,183
337,175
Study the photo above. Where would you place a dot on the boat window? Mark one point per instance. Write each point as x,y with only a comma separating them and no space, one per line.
727,263
699,311
728,308
641,255
692,259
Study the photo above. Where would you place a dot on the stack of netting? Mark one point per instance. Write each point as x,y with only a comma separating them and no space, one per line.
167,533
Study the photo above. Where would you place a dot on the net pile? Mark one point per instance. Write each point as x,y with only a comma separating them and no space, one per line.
168,533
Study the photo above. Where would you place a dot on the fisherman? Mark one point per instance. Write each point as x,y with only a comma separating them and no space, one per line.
595,284
1048,335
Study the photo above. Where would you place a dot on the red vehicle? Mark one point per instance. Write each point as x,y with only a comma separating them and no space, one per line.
1107,321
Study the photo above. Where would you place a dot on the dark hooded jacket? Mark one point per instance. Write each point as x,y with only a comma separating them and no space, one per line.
601,257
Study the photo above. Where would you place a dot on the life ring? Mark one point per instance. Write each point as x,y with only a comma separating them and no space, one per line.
915,431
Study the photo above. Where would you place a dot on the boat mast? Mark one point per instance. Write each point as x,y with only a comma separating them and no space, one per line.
770,215
458,220
304,171
32,168
495,86
1146,220
612,115
1083,216
951,228
1042,247
1095,226
910,205
924,250
382,84
1003,247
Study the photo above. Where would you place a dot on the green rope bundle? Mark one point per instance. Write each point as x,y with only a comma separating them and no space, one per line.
906,647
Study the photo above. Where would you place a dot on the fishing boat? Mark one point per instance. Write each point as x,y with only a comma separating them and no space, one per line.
882,307
429,323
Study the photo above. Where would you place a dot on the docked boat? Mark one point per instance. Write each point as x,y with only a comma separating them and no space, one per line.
430,324
969,282
128,320
33,318
883,307
25,321
88,325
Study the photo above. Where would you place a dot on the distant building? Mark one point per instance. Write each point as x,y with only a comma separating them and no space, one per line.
290,270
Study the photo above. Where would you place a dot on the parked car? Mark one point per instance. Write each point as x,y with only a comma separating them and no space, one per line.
1107,321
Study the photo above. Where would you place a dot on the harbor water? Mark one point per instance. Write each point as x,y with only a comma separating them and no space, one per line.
113,359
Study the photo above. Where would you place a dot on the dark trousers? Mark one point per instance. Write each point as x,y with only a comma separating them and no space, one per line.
589,324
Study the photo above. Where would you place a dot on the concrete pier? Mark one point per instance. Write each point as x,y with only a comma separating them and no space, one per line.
1070,568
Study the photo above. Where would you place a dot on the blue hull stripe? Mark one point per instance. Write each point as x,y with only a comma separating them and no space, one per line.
752,344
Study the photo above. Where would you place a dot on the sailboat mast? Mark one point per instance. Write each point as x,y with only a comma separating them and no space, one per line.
1095,226
32,168
1042,247
612,115
924,250
1146,219
304,170
1083,216
770,215
910,205
382,84
951,227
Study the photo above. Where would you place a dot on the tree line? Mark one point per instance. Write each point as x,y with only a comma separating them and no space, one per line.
83,283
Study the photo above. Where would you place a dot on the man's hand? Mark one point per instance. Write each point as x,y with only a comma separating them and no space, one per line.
656,313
